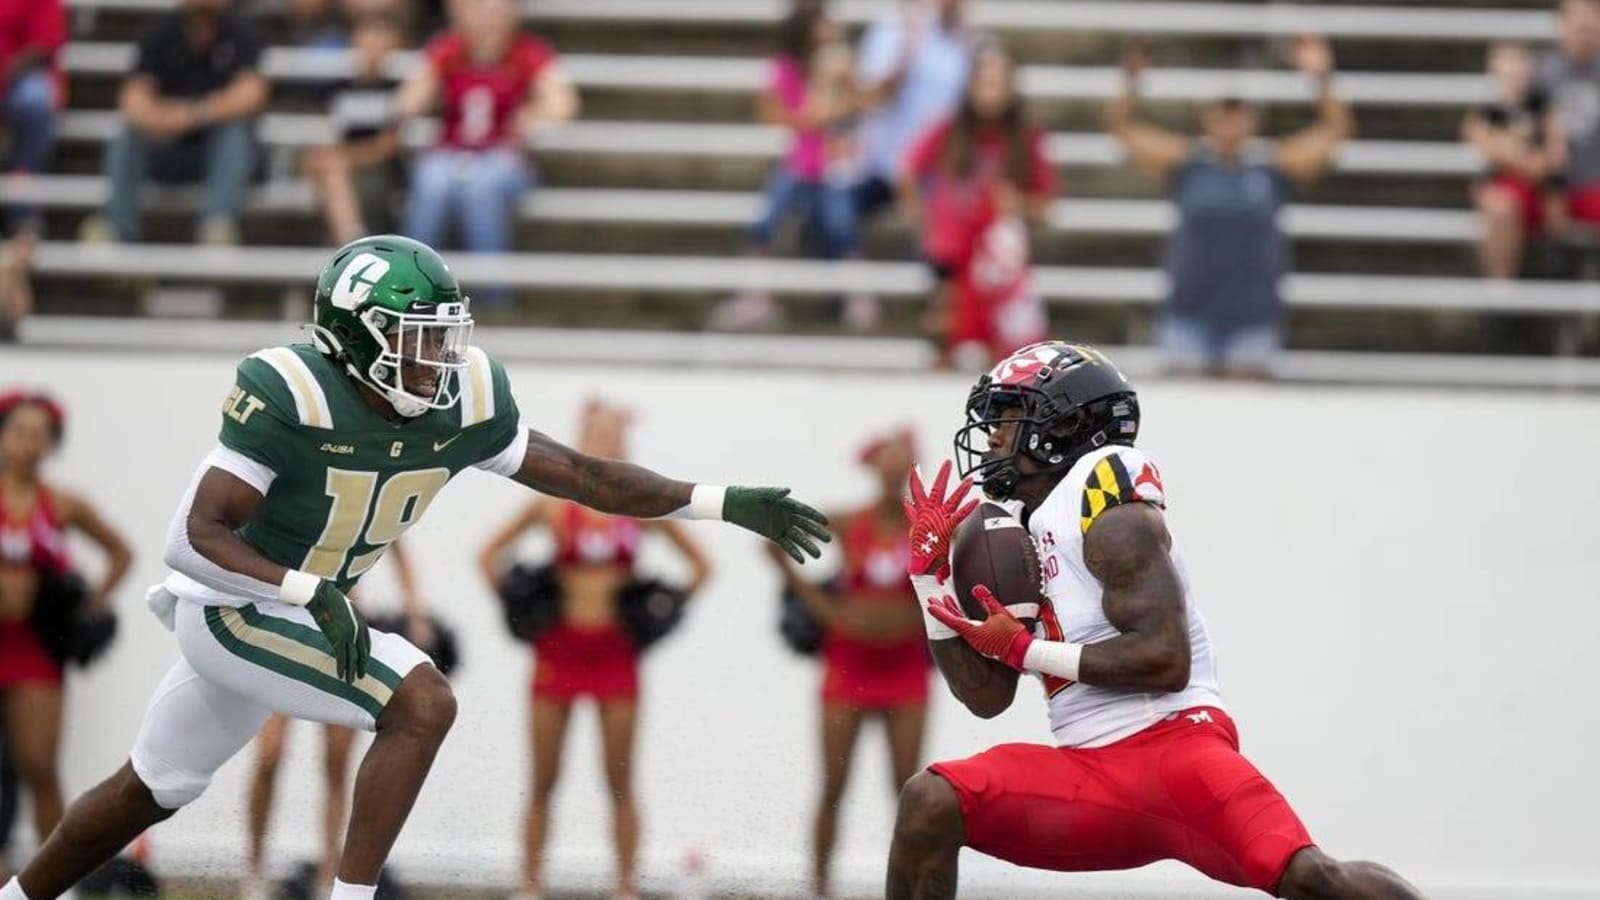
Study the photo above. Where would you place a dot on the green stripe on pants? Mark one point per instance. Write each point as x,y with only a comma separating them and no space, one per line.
312,666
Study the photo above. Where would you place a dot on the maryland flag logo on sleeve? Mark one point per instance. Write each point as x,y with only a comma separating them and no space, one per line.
1111,484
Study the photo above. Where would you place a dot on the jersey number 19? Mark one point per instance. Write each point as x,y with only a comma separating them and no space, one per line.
354,516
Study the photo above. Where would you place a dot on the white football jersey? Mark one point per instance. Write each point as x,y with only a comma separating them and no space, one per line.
1082,715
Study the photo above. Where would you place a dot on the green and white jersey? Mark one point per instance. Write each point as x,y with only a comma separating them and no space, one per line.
342,482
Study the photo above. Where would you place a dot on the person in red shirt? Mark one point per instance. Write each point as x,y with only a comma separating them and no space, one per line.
495,87
31,32
874,656
972,185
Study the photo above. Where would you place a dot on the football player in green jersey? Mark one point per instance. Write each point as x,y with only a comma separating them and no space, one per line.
328,452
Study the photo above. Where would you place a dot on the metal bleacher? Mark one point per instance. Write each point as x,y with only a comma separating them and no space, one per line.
639,222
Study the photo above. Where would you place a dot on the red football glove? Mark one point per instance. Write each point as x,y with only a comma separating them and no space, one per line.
1001,636
934,518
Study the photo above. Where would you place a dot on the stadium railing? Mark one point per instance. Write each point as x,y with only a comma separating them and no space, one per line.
1396,158
737,209
663,274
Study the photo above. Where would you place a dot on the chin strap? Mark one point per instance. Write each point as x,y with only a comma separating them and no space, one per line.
404,405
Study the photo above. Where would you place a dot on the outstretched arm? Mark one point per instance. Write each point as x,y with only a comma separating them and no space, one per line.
624,489
608,485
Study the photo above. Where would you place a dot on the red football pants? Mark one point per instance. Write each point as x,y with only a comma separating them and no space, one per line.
1177,790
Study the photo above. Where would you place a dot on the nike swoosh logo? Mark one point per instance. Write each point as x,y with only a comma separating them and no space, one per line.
438,445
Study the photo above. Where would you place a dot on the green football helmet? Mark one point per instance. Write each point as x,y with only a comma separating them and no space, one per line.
388,304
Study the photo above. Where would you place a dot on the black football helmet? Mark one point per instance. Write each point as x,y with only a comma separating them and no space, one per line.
1065,400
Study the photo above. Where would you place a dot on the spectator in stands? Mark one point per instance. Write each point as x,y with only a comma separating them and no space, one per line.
1569,79
973,186
1509,133
811,93
190,107
31,31
1226,258
496,87
914,64
358,177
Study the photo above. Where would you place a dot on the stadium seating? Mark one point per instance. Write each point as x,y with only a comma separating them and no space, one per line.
645,199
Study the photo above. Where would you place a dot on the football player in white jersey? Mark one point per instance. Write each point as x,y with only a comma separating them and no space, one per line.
1146,763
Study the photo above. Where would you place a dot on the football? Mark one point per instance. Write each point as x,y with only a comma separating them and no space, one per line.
993,548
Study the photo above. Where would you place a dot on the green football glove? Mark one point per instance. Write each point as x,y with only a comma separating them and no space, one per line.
344,628
771,513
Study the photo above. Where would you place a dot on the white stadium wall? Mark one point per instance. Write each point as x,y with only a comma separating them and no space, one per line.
1401,585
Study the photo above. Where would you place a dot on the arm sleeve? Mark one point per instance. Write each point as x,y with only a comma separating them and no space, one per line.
181,557
1123,475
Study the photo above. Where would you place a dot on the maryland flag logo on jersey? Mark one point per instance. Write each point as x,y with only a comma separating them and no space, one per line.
1111,484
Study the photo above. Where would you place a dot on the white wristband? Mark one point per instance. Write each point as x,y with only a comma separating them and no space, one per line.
298,587
928,588
1058,658
705,502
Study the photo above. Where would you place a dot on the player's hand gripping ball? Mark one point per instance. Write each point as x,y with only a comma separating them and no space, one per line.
1000,636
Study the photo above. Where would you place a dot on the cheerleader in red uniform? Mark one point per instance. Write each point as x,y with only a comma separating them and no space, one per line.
874,653
34,521
587,653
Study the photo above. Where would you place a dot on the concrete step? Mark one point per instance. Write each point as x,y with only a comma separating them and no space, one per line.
884,242
723,89
1098,323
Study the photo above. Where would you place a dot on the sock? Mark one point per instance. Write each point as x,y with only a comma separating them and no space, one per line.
341,891
12,891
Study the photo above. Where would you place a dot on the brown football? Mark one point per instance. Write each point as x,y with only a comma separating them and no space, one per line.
993,548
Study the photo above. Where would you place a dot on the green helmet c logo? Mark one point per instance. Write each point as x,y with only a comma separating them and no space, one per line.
356,282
